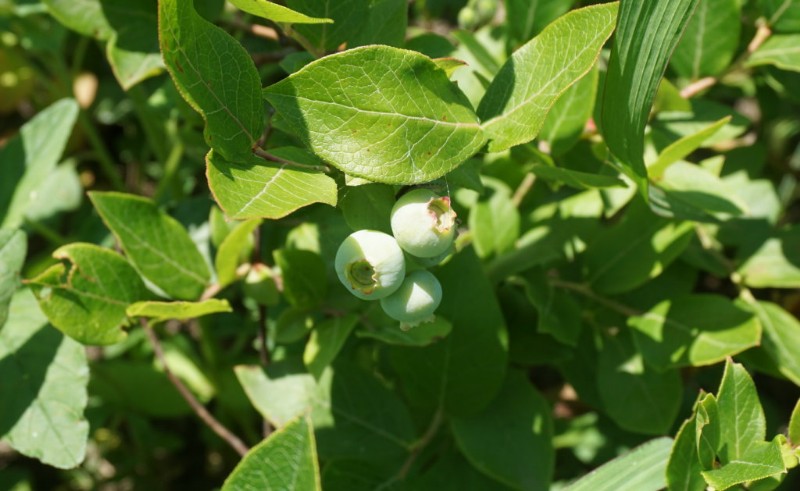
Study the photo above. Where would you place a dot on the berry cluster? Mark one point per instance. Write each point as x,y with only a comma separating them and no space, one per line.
372,264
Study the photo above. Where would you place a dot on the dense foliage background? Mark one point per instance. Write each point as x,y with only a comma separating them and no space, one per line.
176,177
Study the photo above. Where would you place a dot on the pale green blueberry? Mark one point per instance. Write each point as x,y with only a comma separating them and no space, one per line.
416,300
467,18
370,264
423,223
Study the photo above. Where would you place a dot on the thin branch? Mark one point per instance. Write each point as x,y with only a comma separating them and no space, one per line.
198,408
588,293
523,189
762,34
417,448
212,290
280,160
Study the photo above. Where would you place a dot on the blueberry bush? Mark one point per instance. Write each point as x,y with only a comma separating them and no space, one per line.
399,245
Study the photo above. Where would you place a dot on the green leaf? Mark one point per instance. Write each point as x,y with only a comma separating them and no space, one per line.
782,15
43,387
794,425
647,32
161,311
157,245
326,341
558,313
86,17
510,440
529,83
13,248
707,431
526,18
781,337
30,157
710,41
60,191
494,220
287,460
641,469
683,468
277,13
762,460
304,276
463,372
576,179
679,149
368,207
349,18
775,264
381,113
694,330
87,298
137,387
354,415
386,23
690,192
421,335
230,251
567,118
782,51
253,188
636,249
742,422
215,74
622,377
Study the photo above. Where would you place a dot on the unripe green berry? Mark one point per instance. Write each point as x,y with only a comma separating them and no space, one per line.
485,10
416,300
423,223
260,285
370,264
467,18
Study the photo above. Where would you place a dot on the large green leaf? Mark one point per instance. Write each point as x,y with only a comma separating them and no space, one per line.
781,337
287,460
354,415
253,188
567,118
622,377
157,245
87,298
647,32
277,13
783,51
529,83
381,113
783,15
694,330
42,387
215,75
742,422
13,247
463,372
710,41
510,440
30,157
641,469
636,249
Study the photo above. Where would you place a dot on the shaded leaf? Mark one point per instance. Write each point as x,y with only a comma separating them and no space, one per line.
782,51
326,341
529,83
215,75
161,311
494,220
646,34
526,18
421,335
304,276
43,387
782,15
230,251
253,188
710,41
277,13
157,245
510,440
87,298
349,18
776,262
690,192
30,157
567,118
576,179
368,207
381,113
694,330
683,468
287,460
13,248
781,337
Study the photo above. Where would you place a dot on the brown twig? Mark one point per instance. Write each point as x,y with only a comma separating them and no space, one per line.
419,445
234,441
